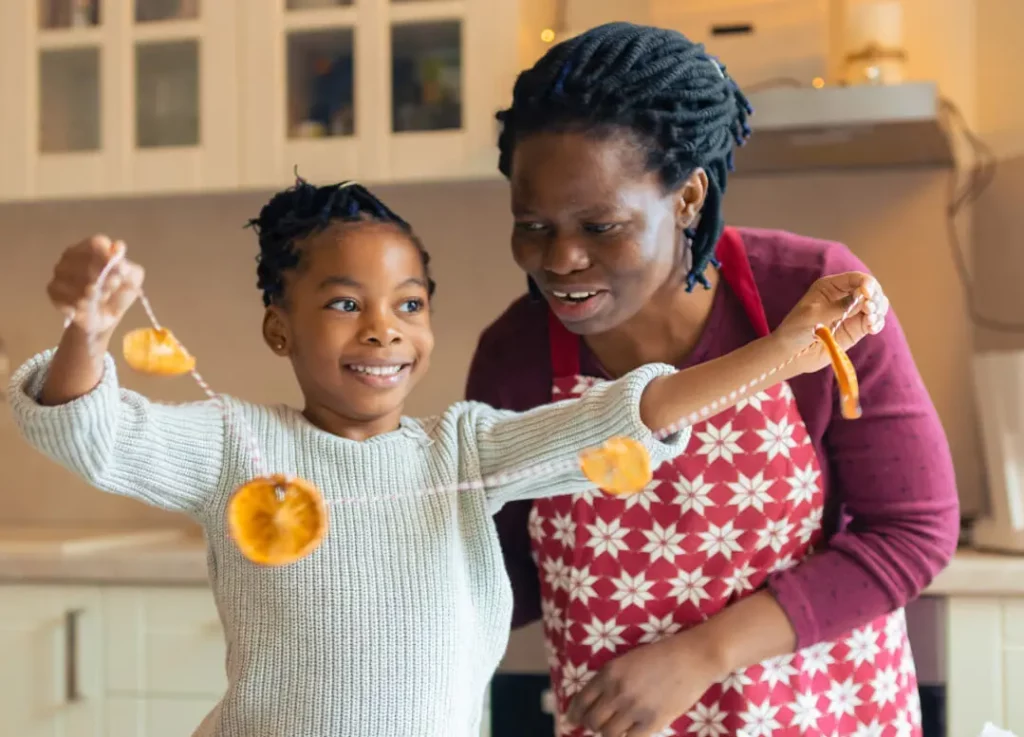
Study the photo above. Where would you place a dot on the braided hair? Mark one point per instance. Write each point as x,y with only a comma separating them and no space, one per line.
305,210
654,83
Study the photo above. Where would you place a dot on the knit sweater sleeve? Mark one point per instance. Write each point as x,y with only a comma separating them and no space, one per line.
555,433
169,456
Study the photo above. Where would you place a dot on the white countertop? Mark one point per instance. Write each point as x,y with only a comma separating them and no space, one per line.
168,556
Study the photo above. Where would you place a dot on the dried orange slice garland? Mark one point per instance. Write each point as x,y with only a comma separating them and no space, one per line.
277,520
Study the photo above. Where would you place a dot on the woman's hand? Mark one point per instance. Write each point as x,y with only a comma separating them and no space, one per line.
646,689
825,303
93,285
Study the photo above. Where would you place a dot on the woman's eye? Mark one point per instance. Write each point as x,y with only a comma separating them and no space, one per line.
344,305
412,305
600,227
527,227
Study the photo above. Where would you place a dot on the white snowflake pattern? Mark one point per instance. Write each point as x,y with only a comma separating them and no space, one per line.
657,629
754,400
885,686
777,438
556,573
873,729
904,725
645,497
706,721
818,658
809,525
782,564
603,635
863,645
607,537
778,670
584,384
803,484
737,680
719,442
750,493
906,666
663,542
805,711
738,579
895,632
535,527
575,677
722,540
774,535
632,590
914,706
689,586
564,527
581,585
759,720
587,496
843,699
693,495
551,615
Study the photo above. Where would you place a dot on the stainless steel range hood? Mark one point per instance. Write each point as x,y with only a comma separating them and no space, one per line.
858,127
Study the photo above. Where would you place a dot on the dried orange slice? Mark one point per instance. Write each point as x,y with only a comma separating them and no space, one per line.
156,351
276,520
620,466
846,374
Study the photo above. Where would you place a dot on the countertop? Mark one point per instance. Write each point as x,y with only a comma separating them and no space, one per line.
178,557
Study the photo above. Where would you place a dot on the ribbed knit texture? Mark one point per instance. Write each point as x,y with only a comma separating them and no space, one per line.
395,624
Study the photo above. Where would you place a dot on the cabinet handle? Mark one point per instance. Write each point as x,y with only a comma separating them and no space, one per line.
71,692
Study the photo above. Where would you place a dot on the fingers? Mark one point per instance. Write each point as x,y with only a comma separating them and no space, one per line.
93,284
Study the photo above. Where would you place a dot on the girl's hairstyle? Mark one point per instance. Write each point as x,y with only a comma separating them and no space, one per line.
305,210
677,102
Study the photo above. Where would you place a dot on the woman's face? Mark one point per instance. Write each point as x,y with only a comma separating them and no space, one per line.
596,231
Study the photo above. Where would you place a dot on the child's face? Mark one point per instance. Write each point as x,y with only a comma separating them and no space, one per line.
356,326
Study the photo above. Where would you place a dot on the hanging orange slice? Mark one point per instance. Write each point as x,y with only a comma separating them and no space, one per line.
276,520
156,351
620,466
846,374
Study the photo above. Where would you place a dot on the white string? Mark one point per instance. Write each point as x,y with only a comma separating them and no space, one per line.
498,479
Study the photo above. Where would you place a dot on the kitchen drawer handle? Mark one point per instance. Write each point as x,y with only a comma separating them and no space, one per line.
71,692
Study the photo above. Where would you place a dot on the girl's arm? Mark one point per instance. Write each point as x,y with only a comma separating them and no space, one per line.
68,405
657,396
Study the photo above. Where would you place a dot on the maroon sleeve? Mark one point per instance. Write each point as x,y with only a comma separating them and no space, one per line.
497,382
893,474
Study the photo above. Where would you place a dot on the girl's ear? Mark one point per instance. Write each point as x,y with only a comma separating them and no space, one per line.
275,331
690,199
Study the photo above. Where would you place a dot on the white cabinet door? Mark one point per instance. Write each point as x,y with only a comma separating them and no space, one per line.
155,716
51,663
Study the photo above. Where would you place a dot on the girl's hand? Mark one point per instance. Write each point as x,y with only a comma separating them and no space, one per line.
93,285
643,691
825,303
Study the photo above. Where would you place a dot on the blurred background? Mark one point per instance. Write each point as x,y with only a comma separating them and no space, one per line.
895,126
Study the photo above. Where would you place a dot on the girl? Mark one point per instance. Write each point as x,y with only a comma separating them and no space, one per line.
397,622
817,531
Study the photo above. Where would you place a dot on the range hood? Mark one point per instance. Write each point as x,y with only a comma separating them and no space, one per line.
856,127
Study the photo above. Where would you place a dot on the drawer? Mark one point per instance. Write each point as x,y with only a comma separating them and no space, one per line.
163,641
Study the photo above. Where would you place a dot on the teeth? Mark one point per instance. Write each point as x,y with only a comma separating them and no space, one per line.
574,295
377,370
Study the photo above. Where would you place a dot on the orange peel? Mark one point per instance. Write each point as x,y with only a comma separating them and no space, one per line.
620,466
276,520
846,374
156,351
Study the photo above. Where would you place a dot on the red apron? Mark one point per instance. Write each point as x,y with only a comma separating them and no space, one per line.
745,500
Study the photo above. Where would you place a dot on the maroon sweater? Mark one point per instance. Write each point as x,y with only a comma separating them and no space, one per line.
892,514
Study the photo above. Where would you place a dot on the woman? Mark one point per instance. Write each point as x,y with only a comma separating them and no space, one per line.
756,587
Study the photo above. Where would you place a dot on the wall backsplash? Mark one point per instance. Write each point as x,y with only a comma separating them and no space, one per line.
201,279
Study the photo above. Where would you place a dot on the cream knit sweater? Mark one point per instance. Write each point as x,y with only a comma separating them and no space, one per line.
394,626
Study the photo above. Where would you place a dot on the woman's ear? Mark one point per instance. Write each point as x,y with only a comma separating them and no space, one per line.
690,198
275,331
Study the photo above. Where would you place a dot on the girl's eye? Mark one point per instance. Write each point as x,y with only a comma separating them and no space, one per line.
344,305
529,227
412,305
600,227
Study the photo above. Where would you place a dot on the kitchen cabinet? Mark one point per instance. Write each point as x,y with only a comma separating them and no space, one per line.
110,661
136,97
52,662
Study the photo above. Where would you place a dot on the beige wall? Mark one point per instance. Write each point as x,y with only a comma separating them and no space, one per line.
201,280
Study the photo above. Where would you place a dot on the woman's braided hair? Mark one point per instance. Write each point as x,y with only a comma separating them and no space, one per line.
654,83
